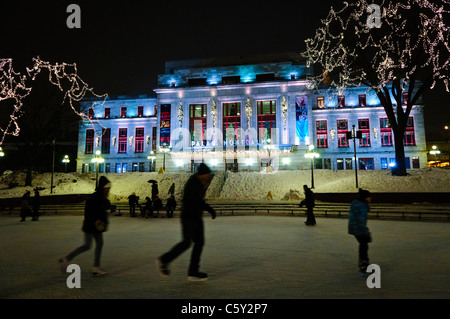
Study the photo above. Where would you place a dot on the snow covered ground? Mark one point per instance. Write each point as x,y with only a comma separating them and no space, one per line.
235,186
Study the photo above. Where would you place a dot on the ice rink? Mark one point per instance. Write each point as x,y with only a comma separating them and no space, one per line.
246,257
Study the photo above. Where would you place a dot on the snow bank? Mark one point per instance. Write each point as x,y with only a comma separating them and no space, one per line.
235,186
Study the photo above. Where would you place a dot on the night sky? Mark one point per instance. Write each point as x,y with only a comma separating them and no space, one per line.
122,45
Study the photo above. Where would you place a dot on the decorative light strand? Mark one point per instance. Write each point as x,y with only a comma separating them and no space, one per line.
393,55
13,86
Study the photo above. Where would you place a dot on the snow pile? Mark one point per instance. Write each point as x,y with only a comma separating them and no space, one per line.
283,185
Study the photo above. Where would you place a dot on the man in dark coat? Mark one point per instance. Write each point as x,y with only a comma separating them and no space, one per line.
94,224
309,203
132,202
193,205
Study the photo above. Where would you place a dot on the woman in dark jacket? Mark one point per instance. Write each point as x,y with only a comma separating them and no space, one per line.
94,224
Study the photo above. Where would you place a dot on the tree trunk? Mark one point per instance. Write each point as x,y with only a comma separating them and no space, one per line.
29,176
400,168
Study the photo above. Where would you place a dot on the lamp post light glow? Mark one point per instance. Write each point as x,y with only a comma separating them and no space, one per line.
164,150
1,152
152,158
66,160
97,159
312,155
435,152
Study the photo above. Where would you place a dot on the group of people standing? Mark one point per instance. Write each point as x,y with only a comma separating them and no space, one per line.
193,205
153,204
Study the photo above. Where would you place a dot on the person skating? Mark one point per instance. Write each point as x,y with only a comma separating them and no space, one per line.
357,226
193,205
309,202
94,224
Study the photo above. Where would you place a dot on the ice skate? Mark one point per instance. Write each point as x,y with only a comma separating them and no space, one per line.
163,269
99,272
63,264
197,276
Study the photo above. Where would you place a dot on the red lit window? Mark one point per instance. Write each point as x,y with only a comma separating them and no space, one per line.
320,102
405,98
341,100
197,122
89,147
91,113
140,111
231,119
322,135
266,119
122,140
106,140
385,132
107,112
364,127
410,138
123,111
342,128
139,141
362,99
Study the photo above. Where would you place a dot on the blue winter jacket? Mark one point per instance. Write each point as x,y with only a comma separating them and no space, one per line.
357,218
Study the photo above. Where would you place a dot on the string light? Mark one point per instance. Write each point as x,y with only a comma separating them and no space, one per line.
395,54
13,86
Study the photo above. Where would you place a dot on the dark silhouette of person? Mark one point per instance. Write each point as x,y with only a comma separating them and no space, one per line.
132,201
172,190
171,205
157,205
94,224
357,226
25,209
148,208
309,202
155,190
36,204
193,205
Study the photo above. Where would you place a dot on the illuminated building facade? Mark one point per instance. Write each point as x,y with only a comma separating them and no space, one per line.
238,115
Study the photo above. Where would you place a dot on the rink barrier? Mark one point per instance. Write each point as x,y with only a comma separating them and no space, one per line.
419,211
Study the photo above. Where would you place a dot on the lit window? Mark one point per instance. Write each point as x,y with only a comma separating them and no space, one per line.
320,102
362,99
341,100
140,111
123,111
322,135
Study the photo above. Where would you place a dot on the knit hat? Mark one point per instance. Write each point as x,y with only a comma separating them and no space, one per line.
363,194
103,182
203,169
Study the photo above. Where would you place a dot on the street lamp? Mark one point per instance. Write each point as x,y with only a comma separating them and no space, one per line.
66,160
1,152
269,147
435,152
97,159
151,157
311,154
164,150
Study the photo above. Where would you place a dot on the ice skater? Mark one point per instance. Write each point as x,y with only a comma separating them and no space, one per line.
94,224
309,202
357,226
193,205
